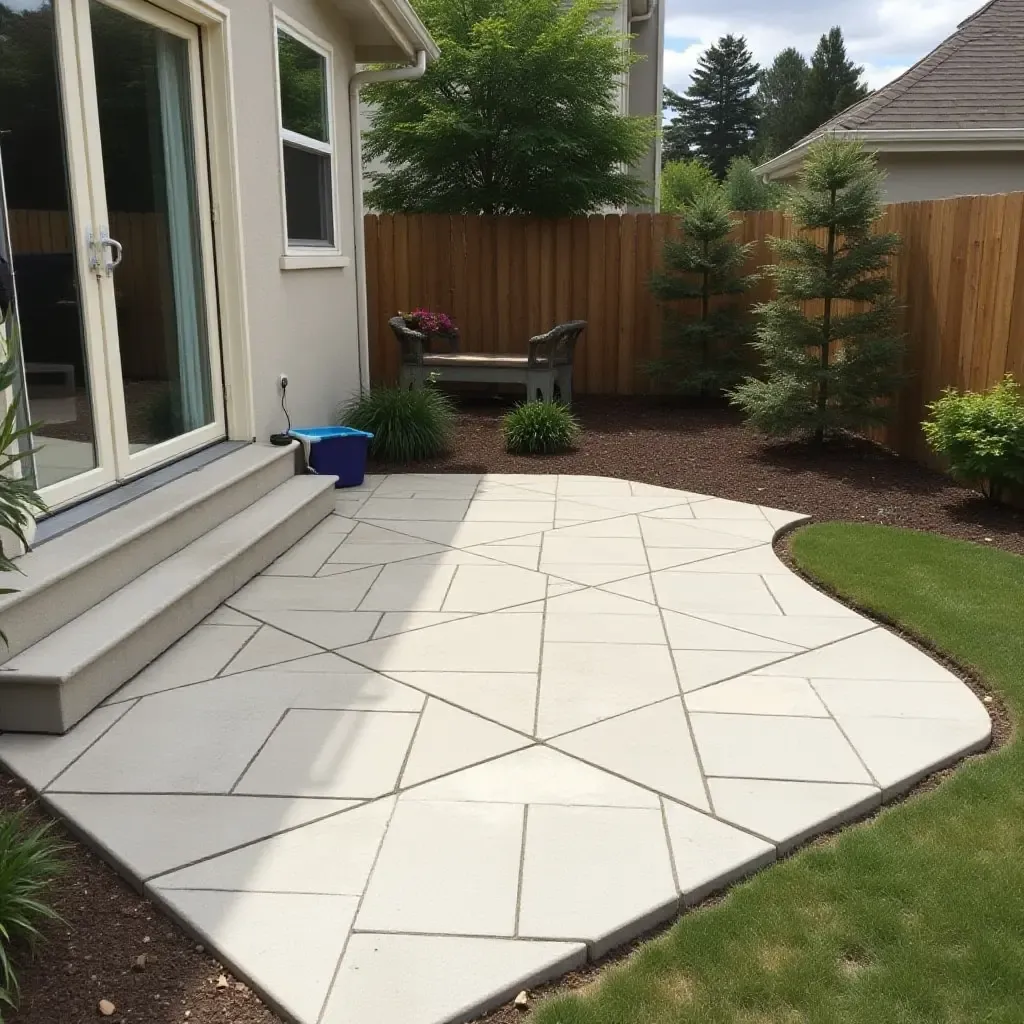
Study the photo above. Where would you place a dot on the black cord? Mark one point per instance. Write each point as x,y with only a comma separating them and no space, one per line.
285,438
284,408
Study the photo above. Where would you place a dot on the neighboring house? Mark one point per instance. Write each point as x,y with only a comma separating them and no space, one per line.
178,205
640,91
951,125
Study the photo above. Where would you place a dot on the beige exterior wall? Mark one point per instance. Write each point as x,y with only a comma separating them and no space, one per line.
645,88
300,322
911,177
917,176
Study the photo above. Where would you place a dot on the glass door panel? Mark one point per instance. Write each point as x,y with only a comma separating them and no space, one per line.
149,113
51,300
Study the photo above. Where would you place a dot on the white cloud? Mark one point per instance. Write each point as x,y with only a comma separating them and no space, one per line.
886,36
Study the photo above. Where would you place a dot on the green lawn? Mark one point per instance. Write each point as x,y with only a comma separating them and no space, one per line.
916,916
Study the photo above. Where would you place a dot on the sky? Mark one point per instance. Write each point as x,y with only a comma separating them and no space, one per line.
886,36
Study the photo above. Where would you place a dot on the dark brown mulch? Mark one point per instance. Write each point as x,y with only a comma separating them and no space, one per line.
90,957
708,450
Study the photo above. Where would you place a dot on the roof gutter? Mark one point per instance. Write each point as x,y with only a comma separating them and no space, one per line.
903,140
356,82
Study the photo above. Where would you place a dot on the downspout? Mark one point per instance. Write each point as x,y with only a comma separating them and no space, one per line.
359,79
651,8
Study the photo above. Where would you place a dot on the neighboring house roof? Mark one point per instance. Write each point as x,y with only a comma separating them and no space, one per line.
968,93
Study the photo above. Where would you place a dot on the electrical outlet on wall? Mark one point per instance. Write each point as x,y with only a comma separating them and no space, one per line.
283,381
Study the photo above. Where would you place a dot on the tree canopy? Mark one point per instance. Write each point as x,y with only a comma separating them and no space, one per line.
833,82
782,103
717,117
518,115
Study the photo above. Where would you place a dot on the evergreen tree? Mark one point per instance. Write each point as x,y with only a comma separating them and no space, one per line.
675,145
702,354
681,180
833,82
518,115
745,190
828,372
719,111
781,99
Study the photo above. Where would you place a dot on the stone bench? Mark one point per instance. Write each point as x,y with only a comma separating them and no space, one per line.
545,372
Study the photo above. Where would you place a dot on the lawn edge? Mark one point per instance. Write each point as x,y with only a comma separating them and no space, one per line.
1004,727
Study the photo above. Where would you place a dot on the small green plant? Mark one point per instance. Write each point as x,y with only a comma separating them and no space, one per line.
982,435
407,424
29,861
539,428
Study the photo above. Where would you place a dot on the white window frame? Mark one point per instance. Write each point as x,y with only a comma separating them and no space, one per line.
297,256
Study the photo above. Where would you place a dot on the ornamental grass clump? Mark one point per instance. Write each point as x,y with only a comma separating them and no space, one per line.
29,861
539,428
982,436
408,425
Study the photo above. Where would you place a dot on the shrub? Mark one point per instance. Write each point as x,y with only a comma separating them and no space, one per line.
745,190
682,181
830,370
539,428
29,861
982,435
407,424
702,348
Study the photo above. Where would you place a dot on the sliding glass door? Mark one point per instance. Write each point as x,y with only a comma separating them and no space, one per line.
111,244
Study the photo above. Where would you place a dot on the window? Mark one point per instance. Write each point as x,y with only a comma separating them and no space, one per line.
304,76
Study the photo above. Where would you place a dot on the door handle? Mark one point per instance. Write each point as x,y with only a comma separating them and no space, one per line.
116,252
99,262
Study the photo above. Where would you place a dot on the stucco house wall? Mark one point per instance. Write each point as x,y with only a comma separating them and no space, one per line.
301,322
914,176
910,177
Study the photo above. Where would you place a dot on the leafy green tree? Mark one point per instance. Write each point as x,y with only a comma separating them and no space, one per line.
681,181
745,190
828,372
702,353
781,101
833,82
718,114
518,115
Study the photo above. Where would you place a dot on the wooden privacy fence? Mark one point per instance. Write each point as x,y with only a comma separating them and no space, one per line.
959,277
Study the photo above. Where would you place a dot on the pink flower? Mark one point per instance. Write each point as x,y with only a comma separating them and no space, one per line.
430,323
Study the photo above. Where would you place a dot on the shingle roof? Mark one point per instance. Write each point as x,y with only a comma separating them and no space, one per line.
975,79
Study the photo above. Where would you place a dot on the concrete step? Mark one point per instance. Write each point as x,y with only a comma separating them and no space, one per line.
71,573
55,682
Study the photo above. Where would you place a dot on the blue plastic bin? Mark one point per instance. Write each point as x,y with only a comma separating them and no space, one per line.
336,451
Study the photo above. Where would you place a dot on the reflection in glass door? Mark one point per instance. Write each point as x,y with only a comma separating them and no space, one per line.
144,101
102,139
47,294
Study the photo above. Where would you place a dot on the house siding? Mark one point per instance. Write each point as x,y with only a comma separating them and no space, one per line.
300,322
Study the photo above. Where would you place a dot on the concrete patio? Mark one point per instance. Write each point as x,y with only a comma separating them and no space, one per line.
474,730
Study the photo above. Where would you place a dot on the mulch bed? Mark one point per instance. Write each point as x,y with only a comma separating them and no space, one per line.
107,925
709,450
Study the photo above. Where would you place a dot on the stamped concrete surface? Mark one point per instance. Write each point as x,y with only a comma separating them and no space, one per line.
473,730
